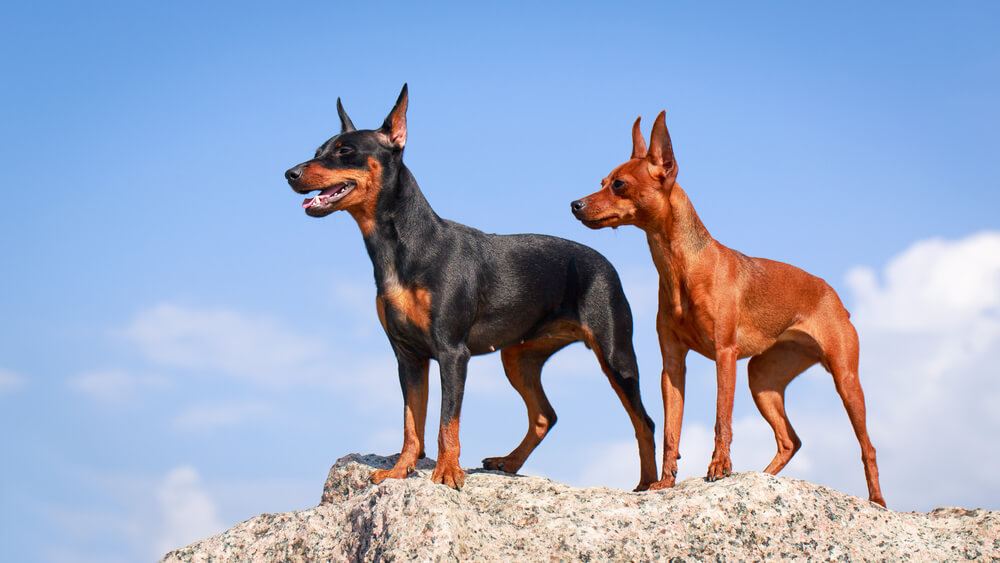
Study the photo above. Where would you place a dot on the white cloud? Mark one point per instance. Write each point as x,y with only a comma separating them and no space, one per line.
616,464
929,324
935,286
235,344
188,513
116,387
930,336
611,464
204,417
10,381
120,516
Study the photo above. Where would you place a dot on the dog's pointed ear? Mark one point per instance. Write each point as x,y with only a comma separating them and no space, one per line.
394,127
638,143
345,122
661,151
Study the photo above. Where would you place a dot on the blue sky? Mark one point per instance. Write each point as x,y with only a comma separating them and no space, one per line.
181,348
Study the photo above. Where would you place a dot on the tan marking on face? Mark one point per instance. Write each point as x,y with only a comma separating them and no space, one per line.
360,203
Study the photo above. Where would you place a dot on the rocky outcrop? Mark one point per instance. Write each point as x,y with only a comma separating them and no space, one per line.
498,517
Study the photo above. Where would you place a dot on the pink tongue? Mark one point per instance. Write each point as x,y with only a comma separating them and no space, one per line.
309,201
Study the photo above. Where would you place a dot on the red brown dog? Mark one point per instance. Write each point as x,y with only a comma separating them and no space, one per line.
727,306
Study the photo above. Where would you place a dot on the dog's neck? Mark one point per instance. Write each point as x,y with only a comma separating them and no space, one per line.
404,225
677,238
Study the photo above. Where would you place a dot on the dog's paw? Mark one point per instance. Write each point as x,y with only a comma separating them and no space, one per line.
665,483
720,467
642,486
507,464
398,472
449,474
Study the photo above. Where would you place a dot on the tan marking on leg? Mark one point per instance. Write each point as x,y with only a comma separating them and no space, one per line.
447,471
523,365
414,417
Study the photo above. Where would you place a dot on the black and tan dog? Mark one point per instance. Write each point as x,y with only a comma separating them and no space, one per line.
447,291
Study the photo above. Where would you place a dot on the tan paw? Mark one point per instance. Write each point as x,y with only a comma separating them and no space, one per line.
397,472
449,474
721,466
507,464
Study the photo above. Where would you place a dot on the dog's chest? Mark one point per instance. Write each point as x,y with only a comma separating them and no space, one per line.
405,312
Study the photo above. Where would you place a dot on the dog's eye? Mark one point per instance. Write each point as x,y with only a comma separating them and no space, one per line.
617,185
344,149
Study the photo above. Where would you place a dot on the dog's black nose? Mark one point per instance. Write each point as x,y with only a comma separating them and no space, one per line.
578,205
293,174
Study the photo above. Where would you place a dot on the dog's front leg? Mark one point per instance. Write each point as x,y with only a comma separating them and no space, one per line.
725,370
672,386
454,364
413,380
672,380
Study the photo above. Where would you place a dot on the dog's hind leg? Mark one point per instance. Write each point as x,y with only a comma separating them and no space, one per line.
769,373
523,365
842,359
614,351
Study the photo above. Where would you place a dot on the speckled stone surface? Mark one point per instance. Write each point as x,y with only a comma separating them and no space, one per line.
498,517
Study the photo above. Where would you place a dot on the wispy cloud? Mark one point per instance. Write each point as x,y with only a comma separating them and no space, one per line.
936,286
10,381
611,464
188,513
616,464
930,337
142,516
178,341
116,387
213,416
232,343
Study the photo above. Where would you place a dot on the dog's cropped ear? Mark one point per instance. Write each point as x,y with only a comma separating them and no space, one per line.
345,122
394,127
661,151
638,143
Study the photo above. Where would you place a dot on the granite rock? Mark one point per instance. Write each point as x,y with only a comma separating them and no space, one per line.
498,517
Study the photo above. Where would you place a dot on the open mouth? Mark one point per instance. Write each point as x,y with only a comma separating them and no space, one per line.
329,195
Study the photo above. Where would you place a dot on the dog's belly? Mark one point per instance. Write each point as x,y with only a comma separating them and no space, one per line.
753,342
497,334
485,343
554,327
